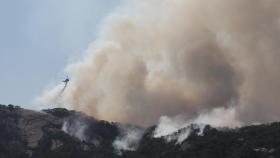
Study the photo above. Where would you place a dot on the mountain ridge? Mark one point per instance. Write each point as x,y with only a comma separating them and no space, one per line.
65,133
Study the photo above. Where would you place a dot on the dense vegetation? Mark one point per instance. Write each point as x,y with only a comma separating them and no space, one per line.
258,141
261,141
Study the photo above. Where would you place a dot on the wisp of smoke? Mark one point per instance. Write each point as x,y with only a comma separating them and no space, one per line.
78,125
129,139
156,58
75,127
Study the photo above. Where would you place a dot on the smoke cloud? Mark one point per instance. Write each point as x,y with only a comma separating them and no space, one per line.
156,58
218,118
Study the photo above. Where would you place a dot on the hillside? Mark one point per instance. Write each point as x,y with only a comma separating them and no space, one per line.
62,133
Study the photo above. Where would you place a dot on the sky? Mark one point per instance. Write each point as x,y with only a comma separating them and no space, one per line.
38,38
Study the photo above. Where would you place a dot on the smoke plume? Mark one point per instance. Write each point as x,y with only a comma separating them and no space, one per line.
218,118
156,58
129,138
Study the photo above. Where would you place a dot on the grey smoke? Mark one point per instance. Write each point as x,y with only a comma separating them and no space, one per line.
76,129
129,138
77,125
156,58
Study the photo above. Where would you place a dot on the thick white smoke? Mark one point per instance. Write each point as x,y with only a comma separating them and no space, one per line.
156,58
218,118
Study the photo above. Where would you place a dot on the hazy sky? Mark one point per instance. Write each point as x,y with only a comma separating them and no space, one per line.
38,38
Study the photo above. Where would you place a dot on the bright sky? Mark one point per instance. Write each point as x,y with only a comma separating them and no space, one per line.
38,38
